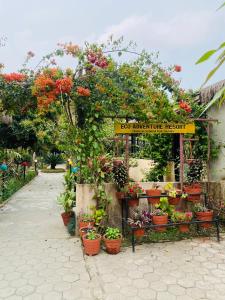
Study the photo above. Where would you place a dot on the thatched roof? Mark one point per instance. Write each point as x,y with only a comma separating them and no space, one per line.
206,94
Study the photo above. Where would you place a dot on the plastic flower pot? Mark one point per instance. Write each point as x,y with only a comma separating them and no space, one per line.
66,217
86,224
204,216
112,246
139,232
160,220
153,192
193,189
184,228
92,247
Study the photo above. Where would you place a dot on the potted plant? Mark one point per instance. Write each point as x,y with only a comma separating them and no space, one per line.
120,177
85,220
112,239
194,174
155,191
179,217
202,213
161,213
134,189
138,221
66,199
91,242
159,217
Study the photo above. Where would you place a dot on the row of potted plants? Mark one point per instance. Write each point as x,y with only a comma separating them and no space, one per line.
165,213
134,190
92,240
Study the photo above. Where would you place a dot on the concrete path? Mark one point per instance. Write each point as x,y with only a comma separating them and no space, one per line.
39,260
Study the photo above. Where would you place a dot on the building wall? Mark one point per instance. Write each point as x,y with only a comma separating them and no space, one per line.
217,167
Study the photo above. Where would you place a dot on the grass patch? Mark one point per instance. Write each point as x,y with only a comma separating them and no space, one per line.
59,170
14,184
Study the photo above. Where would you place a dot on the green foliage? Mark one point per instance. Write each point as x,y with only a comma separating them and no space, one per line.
198,207
164,206
92,235
67,200
120,176
14,184
195,172
112,233
53,159
99,216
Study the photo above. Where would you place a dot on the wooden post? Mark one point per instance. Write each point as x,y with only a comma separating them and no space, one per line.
181,161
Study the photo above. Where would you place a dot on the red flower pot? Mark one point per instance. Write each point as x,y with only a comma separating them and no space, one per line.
153,192
120,196
84,230
86,224
66,217
139,232
193,189
133,202
204,216
112,246
160,220
92,247
174,201
184,228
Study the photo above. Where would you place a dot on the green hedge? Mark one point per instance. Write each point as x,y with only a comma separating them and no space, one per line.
14,184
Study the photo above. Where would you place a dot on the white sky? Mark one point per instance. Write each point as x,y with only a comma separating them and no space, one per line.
181,30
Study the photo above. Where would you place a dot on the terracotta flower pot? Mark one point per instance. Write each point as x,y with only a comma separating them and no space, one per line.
193,189
174,201
134,201
112,246
153,192
184,228
139,232
86,224
92,247
120,196
84,230
66,217
204,216
160,220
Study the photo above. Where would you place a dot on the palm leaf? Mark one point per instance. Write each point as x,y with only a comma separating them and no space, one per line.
213,71
221,6
217,97
205,56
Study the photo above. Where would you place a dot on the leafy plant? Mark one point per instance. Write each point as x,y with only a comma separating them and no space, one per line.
195,172
139,218
135,188
67,199
92,235
99,216
120,176
86,217
198,207
112,233
164,206
181,216
53,159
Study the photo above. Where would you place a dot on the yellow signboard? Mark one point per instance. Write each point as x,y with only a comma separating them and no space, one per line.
127,128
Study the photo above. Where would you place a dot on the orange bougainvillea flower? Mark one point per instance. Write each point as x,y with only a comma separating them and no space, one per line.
14,77
83,92
64,85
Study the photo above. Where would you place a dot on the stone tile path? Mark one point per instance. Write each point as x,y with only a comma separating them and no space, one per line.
39,260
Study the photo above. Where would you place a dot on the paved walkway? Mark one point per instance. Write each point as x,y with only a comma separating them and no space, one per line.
39,260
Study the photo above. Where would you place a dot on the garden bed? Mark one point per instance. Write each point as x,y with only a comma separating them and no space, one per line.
15,184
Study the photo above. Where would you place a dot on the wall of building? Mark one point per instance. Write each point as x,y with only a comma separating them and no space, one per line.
217,167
